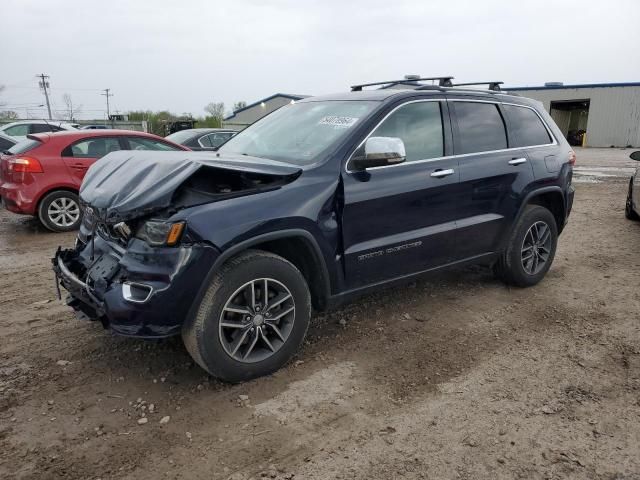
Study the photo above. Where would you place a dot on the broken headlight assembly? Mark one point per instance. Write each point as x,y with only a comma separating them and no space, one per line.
160,234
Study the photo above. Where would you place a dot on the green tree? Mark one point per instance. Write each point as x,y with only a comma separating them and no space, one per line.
215,110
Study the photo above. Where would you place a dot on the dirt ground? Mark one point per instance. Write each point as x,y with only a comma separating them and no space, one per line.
453,377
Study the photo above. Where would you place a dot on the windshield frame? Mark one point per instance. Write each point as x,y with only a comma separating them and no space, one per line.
322,156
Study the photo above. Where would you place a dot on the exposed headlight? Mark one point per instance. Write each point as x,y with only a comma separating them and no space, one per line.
158,233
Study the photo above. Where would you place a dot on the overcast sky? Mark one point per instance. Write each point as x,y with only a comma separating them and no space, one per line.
180,55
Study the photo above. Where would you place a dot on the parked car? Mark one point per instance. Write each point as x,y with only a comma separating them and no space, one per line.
41,176
202,138
94,127
632,207
317,202
20,130
6,142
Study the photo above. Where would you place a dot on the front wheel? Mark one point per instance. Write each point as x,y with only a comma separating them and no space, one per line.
59,211
629,212
531,248
252,318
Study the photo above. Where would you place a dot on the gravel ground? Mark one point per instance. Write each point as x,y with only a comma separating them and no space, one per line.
455,376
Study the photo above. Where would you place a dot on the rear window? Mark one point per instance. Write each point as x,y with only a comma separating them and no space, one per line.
481,127
527,127
24,146
180,137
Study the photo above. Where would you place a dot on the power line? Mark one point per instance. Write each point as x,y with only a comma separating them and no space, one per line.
107,94
44,84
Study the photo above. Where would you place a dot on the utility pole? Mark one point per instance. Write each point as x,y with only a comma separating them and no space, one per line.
107,94
44,85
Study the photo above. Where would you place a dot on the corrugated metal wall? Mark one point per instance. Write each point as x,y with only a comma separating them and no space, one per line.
245,118
614,112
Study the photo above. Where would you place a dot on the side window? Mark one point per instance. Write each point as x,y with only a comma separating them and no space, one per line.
41,128
419,126
92,148
5,144
527,127
218,139
136,143
206,141
481,127
18,130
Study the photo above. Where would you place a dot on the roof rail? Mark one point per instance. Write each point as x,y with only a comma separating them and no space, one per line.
492,85
442,82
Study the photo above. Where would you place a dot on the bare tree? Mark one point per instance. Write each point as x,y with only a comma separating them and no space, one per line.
215,109
72,109
2,87
238,105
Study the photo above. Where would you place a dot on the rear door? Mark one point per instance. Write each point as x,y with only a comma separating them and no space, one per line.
400,219
79,156
493,175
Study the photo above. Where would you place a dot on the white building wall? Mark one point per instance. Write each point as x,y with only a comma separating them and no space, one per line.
614,112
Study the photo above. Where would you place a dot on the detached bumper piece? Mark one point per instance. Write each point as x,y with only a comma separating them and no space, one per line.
139,291
82,297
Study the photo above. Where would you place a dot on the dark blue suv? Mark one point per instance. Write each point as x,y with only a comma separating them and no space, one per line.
322,200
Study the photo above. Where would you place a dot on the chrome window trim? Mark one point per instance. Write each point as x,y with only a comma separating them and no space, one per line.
460,155
205,136
214,133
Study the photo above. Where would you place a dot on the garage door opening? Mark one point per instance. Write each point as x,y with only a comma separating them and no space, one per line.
571,117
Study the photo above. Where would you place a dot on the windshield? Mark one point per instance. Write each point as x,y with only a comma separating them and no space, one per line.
181,136
24,146
299,132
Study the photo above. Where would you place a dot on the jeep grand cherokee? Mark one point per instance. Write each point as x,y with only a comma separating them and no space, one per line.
324,199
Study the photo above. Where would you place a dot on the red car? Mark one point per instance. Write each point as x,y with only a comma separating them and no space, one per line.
41,176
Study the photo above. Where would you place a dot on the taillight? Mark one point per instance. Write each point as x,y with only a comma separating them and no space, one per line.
24,165
572,157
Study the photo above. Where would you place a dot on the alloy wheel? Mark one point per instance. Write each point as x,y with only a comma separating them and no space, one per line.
256,320
536,248
63,212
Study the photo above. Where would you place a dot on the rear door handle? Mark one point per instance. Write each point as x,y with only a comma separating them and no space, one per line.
517,161
442,173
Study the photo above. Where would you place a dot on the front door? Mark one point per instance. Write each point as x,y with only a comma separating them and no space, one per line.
400,219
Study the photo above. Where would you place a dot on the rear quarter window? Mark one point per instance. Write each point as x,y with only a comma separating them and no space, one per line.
528,130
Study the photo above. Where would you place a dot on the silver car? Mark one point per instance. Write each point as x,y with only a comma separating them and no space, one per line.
632,208
19,130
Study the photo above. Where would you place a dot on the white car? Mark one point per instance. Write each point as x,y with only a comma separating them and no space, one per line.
20,130
632,207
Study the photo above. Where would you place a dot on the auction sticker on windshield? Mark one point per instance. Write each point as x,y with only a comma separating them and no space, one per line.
343,122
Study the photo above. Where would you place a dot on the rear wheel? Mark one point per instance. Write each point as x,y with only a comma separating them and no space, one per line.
628,209
60,211
252,319
531,248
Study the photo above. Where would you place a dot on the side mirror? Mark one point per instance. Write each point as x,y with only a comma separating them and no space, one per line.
635,155
380,152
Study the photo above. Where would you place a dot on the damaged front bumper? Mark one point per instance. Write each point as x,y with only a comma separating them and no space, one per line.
139,290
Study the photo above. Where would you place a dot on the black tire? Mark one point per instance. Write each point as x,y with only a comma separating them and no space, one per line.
629,212
511,266
61,222
202,333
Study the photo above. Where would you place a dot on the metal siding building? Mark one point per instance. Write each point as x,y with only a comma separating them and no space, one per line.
245,116
610,113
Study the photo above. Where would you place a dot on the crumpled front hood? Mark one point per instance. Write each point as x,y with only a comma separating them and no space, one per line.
129,184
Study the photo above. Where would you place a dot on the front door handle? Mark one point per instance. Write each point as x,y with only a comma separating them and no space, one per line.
517,161
442,173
